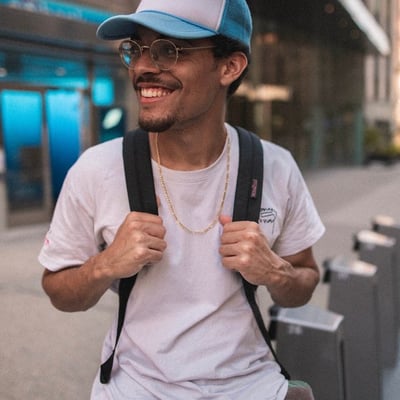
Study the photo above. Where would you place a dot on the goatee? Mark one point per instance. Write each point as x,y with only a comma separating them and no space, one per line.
156,124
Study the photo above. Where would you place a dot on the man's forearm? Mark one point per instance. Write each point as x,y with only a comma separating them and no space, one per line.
76,288
294,286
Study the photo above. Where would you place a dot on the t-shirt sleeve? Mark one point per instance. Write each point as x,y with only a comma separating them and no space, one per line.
71,239
302,226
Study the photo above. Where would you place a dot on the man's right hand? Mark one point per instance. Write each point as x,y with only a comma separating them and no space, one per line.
139,241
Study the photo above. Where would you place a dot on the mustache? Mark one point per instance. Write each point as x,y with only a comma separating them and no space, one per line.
155,80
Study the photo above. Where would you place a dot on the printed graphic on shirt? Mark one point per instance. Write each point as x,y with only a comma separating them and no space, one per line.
268,216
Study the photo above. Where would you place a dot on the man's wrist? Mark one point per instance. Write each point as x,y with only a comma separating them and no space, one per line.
99,270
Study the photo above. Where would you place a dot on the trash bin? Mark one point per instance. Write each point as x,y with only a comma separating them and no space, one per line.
387,226
309,343
379,250
353,293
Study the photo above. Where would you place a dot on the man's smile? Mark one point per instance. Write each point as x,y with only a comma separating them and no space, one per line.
154,92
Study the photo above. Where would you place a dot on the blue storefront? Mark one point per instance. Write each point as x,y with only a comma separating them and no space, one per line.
58,90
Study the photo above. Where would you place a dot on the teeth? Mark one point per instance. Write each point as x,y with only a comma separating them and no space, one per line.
153,92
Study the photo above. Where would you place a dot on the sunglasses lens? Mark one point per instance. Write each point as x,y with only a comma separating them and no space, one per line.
130,52
164,53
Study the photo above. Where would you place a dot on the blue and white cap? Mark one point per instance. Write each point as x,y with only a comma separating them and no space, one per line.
184,19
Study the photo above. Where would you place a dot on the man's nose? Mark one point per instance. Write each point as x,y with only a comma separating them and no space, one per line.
145,62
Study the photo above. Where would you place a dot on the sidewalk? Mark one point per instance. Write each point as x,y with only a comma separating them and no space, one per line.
47,355
348,200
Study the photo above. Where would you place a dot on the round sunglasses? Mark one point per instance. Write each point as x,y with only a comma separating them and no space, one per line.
163,53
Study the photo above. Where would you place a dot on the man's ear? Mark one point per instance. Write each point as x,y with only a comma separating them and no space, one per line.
233,67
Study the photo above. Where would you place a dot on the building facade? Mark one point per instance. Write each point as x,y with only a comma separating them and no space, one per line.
320,76
312,88
381,90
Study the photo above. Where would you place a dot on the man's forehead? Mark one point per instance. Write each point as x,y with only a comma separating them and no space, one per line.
146,34
142,31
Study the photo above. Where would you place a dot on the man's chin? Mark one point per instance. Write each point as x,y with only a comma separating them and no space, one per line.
156,126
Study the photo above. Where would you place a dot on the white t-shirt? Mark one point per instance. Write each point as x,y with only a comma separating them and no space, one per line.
189,332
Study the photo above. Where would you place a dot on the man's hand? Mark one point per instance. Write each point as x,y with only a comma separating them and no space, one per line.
244,248
139,241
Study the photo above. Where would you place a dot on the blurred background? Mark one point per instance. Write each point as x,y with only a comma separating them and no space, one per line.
324,83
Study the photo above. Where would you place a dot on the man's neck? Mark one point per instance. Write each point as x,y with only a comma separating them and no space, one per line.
188,150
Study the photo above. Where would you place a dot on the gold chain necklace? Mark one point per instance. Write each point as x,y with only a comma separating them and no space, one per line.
171,206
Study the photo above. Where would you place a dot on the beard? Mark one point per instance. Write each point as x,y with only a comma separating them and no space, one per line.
153,124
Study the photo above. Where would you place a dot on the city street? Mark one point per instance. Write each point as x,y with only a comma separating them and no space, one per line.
49,355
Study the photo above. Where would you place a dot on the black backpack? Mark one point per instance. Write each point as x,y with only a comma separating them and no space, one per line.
140,185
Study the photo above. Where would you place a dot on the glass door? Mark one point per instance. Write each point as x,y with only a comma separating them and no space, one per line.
41,139
64,111
22,116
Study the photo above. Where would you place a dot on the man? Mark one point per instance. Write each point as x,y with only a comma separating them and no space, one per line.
189,332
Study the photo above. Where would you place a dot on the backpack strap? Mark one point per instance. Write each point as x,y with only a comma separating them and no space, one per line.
138,174
250,177
247,208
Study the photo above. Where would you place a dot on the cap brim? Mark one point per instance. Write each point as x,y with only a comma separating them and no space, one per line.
123,26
